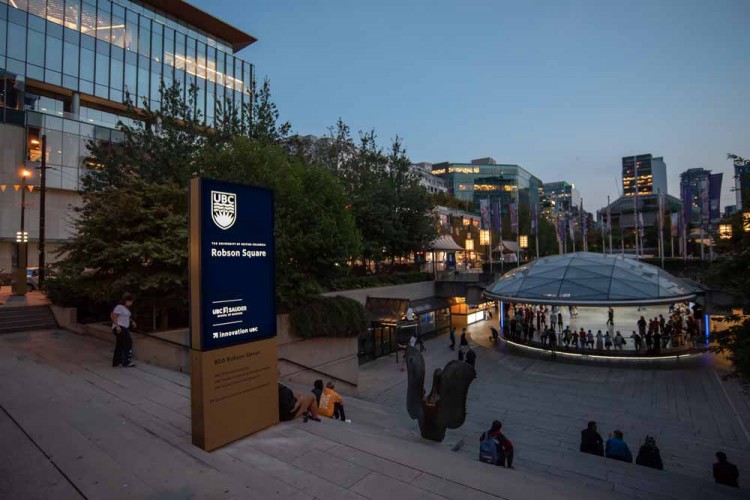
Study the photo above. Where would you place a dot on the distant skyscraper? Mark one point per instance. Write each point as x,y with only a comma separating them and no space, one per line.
691,181
742,183
652,174
563,195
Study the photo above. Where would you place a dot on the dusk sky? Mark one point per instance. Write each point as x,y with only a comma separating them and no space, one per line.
562,88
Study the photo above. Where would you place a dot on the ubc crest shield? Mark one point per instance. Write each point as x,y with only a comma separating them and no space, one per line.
223,209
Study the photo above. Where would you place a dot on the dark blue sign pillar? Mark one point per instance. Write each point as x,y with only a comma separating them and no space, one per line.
232,312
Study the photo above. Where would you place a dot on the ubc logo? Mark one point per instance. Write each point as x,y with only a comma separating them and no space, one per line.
223,209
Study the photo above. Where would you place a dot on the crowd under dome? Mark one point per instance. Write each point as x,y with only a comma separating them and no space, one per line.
590,279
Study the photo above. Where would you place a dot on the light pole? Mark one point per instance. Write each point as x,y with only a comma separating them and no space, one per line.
22,240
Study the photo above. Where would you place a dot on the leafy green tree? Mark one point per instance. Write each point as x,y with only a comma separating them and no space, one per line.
132,228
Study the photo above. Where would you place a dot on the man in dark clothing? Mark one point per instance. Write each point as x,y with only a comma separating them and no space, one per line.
559,321
452,336
471,358
591,441
642,326
725,472
649,455
610,316
317,390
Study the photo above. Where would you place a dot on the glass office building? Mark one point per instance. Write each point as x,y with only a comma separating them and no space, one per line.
66,67
484,178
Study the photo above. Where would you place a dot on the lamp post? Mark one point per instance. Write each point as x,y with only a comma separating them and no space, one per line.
469,248
746,222
523,241
22,240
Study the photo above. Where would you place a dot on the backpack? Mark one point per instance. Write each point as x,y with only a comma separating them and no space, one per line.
286,403
488,449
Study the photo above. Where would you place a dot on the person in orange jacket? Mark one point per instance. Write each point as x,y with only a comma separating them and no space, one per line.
332,404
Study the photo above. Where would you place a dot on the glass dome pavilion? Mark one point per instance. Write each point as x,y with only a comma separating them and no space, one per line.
590,279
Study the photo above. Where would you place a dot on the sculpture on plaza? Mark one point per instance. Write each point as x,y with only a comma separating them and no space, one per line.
445,406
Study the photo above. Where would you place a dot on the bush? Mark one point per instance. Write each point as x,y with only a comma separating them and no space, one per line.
328,317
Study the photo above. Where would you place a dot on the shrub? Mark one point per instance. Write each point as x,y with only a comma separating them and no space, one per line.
376,280
328,317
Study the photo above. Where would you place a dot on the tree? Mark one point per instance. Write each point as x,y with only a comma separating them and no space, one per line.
132,229
732,275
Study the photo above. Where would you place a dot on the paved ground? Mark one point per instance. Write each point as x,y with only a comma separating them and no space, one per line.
545,404
74,427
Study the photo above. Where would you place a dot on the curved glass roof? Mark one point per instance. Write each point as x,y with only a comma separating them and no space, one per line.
585,278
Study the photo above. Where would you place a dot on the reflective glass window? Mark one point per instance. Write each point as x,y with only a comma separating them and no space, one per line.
131,78
116,74
54,144
87,65
144,37
54,54
3,33
131,31
56,11
35,43
103,24
71,144
54,30
169,46
37,7
102,69
143,80
70,59
118,31
88,20
69,178
72,14
86,87
17,16
156,42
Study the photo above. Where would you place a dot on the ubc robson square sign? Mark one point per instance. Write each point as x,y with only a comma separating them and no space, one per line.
233,358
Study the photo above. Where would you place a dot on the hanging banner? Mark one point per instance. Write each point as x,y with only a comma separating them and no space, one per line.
514,217
484,211
233,356
660,213
533,213
497,216
572,227
705,202
674,220
687,204
714,196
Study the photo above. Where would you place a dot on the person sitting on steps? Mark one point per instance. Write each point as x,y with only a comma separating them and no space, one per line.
332,404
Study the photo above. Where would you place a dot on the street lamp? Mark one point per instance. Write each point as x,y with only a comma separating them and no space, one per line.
484,237
22,239
523,241
725,231
746,222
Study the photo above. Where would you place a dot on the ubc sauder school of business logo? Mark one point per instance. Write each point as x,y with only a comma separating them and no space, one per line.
223,209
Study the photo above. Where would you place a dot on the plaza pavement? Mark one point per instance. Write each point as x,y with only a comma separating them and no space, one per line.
74,427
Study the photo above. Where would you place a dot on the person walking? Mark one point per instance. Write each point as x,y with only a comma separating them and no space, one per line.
452,337
617,449
725,472
121,323
607,341
590,340
649,341
463,345
657,341
591,441
582,335
642,326
471,358
552,338
501,453
610,316
559,321
649,455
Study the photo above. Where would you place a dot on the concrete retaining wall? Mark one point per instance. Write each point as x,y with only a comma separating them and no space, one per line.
411,291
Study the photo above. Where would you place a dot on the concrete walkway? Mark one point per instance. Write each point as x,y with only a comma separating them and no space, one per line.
77,428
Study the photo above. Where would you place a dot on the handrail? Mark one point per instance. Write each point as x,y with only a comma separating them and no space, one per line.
328,375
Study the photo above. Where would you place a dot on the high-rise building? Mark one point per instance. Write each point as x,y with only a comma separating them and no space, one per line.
742,183
651,173
691,183
562,195
432,183
485,178
65,68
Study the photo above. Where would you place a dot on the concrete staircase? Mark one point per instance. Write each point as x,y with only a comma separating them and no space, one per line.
544,406
26,318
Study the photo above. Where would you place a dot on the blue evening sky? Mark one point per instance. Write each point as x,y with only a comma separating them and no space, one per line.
562,88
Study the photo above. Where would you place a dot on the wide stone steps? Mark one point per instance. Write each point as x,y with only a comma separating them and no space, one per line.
26,318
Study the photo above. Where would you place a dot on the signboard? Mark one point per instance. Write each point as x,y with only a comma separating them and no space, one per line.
233,356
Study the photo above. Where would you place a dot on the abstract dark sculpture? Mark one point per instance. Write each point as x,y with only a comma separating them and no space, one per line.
445,405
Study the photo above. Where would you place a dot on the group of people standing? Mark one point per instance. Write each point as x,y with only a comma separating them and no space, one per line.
543,324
